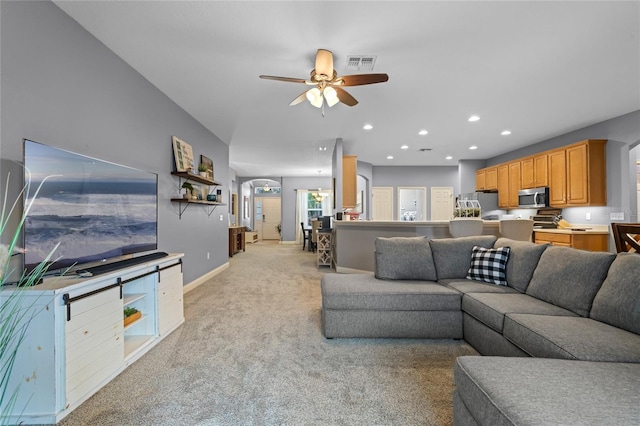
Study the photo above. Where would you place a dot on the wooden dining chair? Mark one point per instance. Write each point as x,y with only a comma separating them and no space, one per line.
305,237
627,237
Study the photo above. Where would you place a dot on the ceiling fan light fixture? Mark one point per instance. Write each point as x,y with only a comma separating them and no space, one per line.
331,96
314,96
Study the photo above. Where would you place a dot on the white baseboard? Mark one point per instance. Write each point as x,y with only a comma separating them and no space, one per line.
198,281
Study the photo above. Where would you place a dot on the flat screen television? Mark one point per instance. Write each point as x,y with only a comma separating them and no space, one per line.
96,210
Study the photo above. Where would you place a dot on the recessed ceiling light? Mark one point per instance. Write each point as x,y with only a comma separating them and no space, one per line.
367,126
505,132
389,157
473,147
404,147
474,118
423,132
448,157
322,148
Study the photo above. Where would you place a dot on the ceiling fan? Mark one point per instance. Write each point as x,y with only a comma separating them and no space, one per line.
328,86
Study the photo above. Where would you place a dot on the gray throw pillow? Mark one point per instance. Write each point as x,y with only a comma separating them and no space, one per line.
569,278
618,301
404,258
523,259
452,256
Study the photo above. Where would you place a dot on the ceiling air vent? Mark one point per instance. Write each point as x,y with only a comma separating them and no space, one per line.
360,62
424,149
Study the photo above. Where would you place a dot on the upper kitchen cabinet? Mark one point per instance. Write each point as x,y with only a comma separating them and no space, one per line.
349,181
586,173
487,179
577,175
534,171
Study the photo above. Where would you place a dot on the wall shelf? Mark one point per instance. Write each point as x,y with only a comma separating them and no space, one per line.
185,202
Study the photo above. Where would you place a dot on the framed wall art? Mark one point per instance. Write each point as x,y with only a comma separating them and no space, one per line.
183,154
208,162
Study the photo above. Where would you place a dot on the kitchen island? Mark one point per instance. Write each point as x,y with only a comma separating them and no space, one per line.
354,241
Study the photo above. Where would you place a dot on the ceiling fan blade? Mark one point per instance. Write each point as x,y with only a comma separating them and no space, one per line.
299,99
324,62
345,97
289,79
362,79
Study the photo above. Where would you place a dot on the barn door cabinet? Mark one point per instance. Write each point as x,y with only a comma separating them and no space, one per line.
77,341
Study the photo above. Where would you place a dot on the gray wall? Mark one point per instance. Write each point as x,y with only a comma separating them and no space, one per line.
396,176
62,87
623,133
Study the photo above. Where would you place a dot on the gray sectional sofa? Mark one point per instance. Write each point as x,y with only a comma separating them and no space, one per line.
561,336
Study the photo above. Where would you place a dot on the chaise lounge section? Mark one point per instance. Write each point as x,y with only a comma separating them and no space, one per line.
558,303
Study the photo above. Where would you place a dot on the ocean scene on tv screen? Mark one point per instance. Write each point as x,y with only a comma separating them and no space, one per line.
94,209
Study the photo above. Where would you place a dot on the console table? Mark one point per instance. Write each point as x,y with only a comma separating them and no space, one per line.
77,340
236,239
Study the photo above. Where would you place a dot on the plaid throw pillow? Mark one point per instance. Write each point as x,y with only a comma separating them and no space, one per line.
489,265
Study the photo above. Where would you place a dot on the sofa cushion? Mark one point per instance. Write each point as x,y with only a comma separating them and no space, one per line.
536,391
490,308
569,278
618,300
365,292
489,265
452,256
473,286
523,259
577,338
404,258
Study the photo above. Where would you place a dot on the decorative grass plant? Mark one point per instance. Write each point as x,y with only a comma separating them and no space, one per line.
15,315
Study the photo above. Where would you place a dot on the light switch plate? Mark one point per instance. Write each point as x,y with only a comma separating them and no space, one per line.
221,217
617,216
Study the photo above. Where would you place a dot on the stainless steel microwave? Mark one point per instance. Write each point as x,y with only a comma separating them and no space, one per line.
533,198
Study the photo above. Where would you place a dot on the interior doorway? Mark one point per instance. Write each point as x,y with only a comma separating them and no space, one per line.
441,203
382,203
268,216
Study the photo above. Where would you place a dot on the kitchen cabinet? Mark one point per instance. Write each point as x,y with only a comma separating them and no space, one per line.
577,175
487,179
576,239
557,178
503,186
586,175
527,173
534,171
349,181
540,171
514,184
481,180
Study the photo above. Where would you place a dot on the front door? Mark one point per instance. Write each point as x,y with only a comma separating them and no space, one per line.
267,217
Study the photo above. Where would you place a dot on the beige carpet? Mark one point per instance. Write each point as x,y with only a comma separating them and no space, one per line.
251,352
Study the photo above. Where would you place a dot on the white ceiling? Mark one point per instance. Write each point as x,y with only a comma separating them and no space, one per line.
539,69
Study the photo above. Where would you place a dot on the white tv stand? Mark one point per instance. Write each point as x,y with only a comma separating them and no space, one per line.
77,342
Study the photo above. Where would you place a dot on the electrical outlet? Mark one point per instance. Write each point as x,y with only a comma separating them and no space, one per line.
617,216
588,216
221,217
